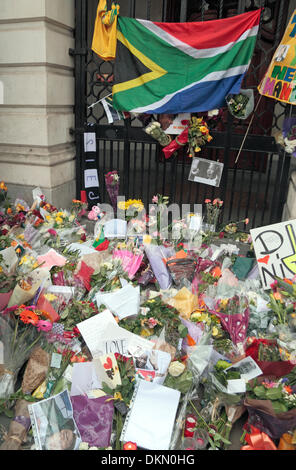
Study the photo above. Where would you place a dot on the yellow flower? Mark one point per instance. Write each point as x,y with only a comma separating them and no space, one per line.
61,214
59,220
197,149
223,303
195,316
48,217
121,205
50,297
209,138
117,396
21,236
1,269
204,129
215,331
23,260
147,239
146,332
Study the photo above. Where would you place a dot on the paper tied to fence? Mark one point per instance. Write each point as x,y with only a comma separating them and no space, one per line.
275,249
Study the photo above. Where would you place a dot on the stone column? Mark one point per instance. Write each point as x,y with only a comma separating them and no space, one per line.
37,98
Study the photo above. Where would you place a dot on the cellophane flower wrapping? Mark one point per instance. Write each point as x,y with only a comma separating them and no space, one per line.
131,262
112,185
234,317
18,341
155,255
289,133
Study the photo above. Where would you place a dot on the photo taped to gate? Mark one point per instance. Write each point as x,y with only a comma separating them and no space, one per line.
206,171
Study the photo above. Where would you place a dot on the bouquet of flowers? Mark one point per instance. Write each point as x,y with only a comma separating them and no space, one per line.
154,129
234,315
78,207
242,104
3,191
289,135
133,208
112,186
198,135
19,334
213,210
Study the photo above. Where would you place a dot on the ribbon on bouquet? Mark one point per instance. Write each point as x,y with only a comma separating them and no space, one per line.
258,440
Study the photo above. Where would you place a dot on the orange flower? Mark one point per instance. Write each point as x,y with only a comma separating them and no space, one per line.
288,281
9,210
29,317
277,296
288,388
130,446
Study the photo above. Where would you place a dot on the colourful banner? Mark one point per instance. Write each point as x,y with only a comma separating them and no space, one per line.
279,82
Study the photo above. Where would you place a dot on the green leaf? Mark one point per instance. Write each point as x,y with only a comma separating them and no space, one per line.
260,391
279,407
274,393
9,413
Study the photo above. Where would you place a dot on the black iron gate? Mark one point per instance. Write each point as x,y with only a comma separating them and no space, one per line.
254,187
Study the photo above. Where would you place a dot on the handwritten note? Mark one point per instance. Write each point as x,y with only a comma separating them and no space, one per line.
90,142
91,179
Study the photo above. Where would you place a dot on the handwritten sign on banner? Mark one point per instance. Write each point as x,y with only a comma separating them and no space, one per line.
275,249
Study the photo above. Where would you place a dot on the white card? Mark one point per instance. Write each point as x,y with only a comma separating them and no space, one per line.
123,303
84,378
90,142
91,179
236,386
151,419
113,336
92,330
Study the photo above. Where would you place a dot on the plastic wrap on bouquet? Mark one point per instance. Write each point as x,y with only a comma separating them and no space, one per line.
4,299
27,290
235,324
131,262
112,186
178,142
18,341
155,255
289,134
94,417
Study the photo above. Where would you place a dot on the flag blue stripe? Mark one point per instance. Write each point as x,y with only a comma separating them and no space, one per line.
201,97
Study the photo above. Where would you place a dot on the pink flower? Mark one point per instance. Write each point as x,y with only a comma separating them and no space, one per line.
152,322
155,199
44,325
208,201
247,221
52,232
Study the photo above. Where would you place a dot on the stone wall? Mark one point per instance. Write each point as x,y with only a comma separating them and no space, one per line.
37,98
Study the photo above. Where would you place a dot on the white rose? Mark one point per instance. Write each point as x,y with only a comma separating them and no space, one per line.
176,368
213,112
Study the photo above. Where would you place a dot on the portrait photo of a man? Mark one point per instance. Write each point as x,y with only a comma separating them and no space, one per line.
205,171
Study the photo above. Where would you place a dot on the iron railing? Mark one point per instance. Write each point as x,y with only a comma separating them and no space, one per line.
254,187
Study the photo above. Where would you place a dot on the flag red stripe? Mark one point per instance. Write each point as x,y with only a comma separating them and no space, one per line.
214,33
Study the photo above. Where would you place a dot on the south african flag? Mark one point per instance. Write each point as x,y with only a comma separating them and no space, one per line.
181,67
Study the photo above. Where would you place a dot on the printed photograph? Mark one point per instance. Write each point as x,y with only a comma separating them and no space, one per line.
53,425
205,171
